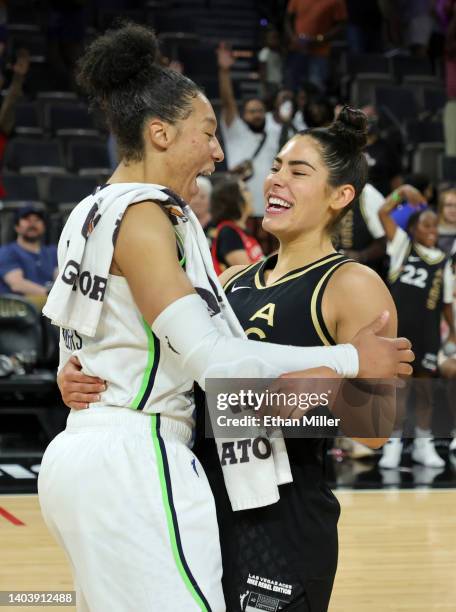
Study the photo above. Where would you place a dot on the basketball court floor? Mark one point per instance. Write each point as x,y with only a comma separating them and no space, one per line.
397,551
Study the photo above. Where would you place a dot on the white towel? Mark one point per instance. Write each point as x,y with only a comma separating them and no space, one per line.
249,485
91,249
255,483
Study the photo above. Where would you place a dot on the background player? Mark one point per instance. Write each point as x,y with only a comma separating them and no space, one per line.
421,282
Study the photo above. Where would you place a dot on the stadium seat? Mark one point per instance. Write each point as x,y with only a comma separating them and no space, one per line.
423,131
20,187
34,42
28,120
406,66
200,61
31,391
69,189
426,159
34,156
88,158
20,327
363,87
365,63
447,168
69,119
434,99
400,102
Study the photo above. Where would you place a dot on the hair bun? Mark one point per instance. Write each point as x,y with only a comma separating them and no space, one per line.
116,58
351,123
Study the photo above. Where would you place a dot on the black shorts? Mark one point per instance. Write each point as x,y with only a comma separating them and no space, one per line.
282,556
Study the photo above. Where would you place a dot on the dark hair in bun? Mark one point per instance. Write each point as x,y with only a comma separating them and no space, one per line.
341,145
120,74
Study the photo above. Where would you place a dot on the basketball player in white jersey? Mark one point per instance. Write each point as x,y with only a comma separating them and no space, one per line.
120,488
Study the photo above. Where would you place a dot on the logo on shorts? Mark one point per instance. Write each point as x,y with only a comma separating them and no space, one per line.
242,598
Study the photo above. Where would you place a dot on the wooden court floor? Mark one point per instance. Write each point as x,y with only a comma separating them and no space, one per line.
397,551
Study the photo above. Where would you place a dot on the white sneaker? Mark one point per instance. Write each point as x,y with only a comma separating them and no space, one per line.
424,452
452,446
392,452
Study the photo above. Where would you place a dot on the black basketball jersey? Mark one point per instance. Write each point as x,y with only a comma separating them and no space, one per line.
283,555
417,290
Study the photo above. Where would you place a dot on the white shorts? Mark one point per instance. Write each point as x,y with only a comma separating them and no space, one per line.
132,507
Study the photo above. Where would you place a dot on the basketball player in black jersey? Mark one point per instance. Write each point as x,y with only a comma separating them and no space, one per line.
307,294
421,281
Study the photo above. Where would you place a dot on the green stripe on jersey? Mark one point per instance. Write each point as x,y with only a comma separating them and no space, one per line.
149,366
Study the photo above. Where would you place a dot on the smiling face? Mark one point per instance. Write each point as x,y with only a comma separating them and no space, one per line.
425,231
195,149
298,198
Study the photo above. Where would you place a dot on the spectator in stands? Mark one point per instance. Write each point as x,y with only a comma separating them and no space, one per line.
27,266
449,117
385,166
270,64
364,28
360,234
319,112
232,244
250,142
417,23
447,221
20,69
306,92
311,26
281,118
201,202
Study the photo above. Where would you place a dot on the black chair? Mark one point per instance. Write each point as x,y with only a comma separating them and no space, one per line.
447,168
361,89
200,61
365,63
40,78
423,131
69,189
400,102
20,187
29,389
434,100
20,328
407,66
426,159
28,121
35,42
88,158
69,119
34,156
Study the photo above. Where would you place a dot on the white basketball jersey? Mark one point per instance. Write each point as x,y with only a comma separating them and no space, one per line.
141,372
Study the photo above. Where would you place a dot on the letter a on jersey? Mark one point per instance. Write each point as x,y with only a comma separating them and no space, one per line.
267,313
